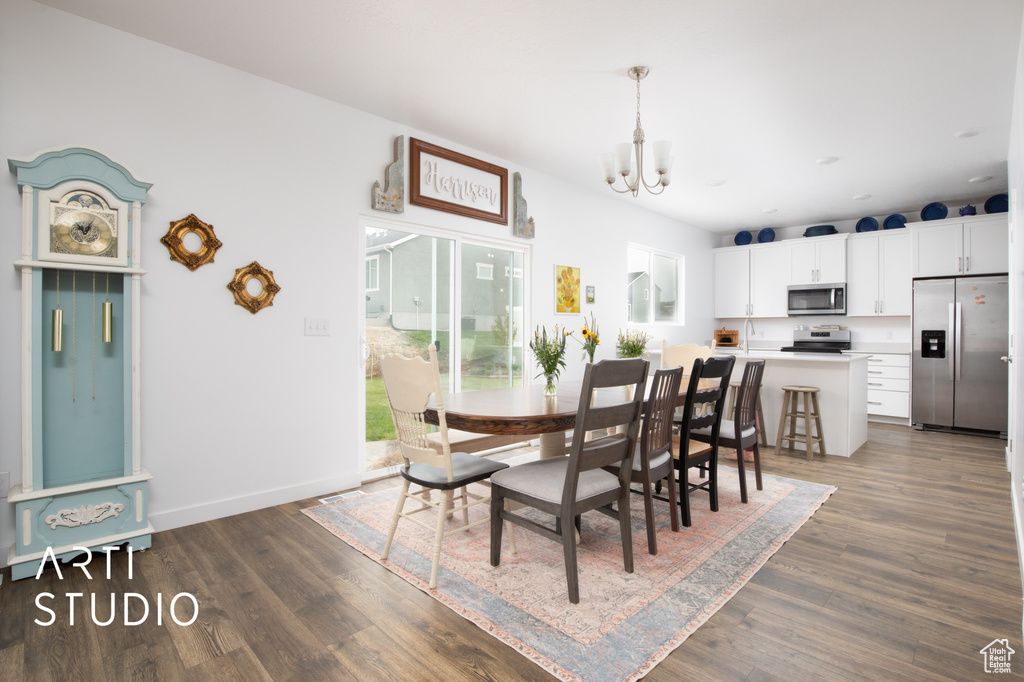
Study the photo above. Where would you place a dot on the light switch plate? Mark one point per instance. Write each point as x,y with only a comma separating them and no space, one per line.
318,326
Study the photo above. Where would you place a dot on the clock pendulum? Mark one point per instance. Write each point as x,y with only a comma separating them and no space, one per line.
74,329
93,337
108,316
57,338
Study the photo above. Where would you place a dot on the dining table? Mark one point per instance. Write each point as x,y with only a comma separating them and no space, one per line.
525,411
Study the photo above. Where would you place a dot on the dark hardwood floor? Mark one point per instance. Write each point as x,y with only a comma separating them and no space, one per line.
906,572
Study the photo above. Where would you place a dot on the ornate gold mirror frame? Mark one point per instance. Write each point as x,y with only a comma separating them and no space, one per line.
239,286
174,241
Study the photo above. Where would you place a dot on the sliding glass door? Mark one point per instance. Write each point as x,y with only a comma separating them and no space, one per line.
419,289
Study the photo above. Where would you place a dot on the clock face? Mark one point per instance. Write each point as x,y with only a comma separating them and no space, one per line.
81,224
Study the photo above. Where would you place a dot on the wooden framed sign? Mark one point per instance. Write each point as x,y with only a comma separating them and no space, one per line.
448,181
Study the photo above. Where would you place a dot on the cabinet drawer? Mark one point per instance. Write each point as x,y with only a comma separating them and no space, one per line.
889,403
876,372
883,384
889,360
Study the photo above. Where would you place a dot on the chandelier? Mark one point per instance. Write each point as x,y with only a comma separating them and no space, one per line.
620,162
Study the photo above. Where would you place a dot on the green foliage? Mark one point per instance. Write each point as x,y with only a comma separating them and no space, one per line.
632,343
549,352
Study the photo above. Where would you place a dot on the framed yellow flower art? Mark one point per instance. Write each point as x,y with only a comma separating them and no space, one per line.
567,289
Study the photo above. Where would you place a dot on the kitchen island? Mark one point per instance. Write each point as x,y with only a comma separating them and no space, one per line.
842,378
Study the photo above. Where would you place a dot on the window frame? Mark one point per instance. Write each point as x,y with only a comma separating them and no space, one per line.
679,313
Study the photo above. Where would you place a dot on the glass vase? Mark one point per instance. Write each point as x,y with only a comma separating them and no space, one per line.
550,388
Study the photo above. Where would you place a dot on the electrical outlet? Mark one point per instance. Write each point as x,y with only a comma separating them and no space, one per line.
5,484
318,326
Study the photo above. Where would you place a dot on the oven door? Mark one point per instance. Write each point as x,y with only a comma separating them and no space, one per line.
817,299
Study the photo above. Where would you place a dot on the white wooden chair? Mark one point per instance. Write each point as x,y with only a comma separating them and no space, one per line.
409,383
683,356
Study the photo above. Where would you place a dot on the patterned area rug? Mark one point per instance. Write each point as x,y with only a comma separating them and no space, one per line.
625,623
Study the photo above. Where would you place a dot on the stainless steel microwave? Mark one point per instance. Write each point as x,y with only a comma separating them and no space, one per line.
817,299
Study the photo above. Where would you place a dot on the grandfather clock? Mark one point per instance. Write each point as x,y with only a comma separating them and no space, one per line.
82,482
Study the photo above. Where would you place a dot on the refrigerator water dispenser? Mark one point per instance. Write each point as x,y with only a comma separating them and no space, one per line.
933,343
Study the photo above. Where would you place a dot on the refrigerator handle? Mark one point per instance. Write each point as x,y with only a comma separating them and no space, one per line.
950,326
957,334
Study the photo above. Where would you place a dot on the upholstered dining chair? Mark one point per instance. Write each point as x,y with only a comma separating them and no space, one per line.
409,383
566,487
740,432
652,462
705,402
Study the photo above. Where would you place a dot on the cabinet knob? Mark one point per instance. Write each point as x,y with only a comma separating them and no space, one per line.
1007,358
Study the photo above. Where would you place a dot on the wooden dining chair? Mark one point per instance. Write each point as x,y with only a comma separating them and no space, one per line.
409,383
565,487
683,356
703,408
653,461
740,432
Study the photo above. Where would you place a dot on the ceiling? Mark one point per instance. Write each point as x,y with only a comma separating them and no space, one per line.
751,94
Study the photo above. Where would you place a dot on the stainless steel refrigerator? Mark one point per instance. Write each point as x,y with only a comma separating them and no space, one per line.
959,380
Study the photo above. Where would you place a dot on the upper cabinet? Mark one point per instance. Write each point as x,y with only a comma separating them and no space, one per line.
818,259
751,281
964,247
879,276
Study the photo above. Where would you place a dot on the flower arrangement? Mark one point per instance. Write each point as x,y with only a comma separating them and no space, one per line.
590,338
549,353
632,344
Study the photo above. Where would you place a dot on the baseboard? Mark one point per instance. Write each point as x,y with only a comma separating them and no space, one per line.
186,516
4,551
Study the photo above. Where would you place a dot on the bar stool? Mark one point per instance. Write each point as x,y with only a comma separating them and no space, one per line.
791,408
734,387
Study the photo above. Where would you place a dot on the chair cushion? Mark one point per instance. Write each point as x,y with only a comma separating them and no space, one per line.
656,462
465,469
544,479
727,430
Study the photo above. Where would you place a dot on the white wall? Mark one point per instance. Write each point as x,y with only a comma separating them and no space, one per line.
240,410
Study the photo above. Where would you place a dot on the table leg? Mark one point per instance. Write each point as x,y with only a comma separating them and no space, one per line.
552,445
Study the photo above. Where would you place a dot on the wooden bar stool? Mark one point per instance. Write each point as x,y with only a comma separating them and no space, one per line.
791,408
734,387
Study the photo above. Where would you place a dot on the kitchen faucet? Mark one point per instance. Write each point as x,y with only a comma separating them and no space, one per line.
748,324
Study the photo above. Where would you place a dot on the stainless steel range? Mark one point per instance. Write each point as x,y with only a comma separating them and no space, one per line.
819,341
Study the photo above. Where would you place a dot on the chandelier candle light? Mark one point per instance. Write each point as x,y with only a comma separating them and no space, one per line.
620,163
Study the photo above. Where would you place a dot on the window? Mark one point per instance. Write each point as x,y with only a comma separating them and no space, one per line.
373,273
485,271
653,290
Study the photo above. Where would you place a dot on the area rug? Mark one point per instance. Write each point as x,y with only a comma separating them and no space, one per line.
625,623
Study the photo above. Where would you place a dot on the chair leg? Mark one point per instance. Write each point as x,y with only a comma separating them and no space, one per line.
743,472
626,528
572,576
808,428
817,421
497,505
673,511
652,538
713,481
438,540
684,495
465,506
757,465
782,422
399,505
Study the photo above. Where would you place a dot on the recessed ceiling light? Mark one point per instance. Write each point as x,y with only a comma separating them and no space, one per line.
715,183
861,197
980,178
968,132
769,210
827,160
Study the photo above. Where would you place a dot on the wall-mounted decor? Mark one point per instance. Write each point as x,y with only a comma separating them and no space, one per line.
392,197
448,181
82,480
262,291
174,240
590,294
522,225
567,289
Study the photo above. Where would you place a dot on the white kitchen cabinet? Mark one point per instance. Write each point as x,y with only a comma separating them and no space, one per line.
879,280
962,247
732,282
751,281
888,385
818,259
